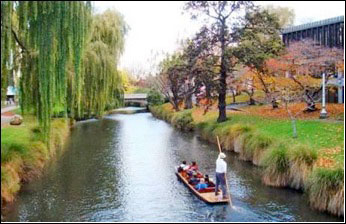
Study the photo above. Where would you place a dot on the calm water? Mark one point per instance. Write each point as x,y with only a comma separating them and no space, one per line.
121,168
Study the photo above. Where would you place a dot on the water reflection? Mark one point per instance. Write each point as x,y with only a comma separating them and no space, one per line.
121,168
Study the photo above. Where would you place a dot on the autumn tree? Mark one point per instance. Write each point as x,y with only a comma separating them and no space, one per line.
170,81
258,41
246,79
304,62
200,65
223,15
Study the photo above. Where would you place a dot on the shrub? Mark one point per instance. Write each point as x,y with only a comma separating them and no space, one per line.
276,163
254,146
155,98
326,190
239,129
303,154
302,159
183,120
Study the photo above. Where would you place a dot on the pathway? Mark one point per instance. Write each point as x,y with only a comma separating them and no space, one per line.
5,118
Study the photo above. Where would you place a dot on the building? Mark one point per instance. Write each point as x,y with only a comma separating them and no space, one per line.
329,33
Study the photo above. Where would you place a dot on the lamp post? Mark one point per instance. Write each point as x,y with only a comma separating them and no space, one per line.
323,113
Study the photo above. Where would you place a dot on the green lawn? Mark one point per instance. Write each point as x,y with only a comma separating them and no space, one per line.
243,97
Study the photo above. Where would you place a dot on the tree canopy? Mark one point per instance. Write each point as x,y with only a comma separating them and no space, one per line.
67,57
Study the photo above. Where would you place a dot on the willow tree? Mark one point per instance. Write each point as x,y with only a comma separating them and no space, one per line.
6,43
103,87
51,36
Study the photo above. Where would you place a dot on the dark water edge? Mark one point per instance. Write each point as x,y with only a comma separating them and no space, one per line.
121,168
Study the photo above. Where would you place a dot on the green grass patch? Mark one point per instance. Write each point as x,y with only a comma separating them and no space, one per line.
14,140
243,97
24,152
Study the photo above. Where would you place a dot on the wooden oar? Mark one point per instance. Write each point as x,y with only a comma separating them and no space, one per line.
229,193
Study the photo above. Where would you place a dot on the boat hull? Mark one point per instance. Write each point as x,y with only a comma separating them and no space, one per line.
208,197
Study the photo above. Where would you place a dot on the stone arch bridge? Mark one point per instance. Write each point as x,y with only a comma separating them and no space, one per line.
137,99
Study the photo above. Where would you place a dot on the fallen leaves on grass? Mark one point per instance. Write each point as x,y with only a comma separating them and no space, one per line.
296,108
325,162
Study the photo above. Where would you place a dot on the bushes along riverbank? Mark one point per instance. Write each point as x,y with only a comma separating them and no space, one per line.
312,163
24,153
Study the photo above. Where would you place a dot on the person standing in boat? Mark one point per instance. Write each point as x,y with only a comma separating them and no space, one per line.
221,168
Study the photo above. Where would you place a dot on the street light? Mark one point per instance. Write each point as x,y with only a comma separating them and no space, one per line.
323,113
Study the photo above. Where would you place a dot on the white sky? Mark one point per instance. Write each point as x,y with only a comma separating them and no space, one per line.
156,27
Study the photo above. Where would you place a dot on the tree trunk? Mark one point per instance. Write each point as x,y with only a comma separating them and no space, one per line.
188,101
252,101
233,95
176,106
294,128
223,74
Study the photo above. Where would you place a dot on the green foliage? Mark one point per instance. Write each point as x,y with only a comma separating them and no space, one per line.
183,120
155,98
326,190
53,36
6,43
161,112
24,151
14,141
255,142
141,90
239,129
285,15
103,87
303,154
325,178
276,159
69,58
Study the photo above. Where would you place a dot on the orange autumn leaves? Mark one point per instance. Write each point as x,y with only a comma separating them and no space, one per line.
327,159
267,111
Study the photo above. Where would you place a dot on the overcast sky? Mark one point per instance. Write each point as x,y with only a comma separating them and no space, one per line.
156,27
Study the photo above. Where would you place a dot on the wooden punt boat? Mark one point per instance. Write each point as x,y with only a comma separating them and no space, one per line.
207,195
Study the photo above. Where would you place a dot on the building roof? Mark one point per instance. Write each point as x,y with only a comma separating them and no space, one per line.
313,24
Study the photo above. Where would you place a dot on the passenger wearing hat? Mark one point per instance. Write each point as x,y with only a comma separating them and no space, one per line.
221,168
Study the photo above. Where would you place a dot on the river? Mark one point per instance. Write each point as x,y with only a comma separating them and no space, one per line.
121,168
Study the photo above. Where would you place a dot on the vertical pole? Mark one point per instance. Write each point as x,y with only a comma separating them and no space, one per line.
340,87
323,113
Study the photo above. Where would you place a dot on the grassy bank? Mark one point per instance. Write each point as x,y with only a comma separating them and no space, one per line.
312,163
24,153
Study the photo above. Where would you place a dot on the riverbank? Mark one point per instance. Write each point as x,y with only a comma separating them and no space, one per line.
312,163
24,153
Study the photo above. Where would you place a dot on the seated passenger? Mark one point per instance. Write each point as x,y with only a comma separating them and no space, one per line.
182,167
201,185
194,180
193,166
208,182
